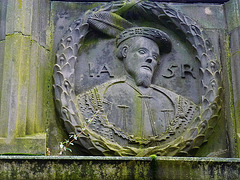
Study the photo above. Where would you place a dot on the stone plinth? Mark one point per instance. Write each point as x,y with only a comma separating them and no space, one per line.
39,167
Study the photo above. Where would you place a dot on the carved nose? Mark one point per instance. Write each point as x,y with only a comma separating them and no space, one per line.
149,60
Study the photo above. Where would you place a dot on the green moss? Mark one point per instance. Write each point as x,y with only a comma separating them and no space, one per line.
154,157
232,108
19,4
17,68
138,104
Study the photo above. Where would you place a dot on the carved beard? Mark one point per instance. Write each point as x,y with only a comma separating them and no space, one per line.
143,78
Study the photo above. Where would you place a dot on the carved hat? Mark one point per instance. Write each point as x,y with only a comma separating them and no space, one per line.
161,38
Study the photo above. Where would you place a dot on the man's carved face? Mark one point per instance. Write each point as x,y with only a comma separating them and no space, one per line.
140,59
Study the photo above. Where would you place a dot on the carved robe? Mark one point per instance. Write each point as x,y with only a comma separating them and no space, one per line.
135,113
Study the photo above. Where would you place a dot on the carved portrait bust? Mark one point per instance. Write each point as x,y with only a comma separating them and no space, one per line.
138,111
112,92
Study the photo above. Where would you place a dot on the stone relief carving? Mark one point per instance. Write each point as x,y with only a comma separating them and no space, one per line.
136,115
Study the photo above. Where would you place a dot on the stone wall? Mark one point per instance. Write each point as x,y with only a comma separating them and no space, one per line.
30,125
27,57
24,68
221,143
20,167
233,15
28,47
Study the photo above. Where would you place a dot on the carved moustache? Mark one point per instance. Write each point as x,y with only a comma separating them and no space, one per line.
147,67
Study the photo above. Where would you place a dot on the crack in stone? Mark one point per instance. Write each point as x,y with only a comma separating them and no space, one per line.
28,36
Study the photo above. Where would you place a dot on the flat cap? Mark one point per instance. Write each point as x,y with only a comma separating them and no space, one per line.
161,38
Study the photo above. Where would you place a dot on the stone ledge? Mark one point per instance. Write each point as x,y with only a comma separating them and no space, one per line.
23,145
97,167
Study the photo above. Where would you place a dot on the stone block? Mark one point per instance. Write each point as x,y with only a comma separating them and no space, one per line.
43,21
235,66
28,17
14,88
210,16
40,167
3,8
32,89
40,22
197,168
41,86
25,63
2,49
235,61
24,145
23,80
235,40
8,99
19,17
63,15
232,9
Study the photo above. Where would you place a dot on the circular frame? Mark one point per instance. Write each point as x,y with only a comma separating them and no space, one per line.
200,127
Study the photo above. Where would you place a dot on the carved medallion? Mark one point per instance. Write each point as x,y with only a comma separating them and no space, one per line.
145,72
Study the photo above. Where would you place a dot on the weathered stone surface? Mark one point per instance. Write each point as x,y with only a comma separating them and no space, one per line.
3,8
10,85
65,14
40,167
28,145
228,97
2,49
177,1
235,58
96,57
25,74
30,17
19,16
232,9
16,76
235,40
233,15
38,107
235,79
210,16
197,168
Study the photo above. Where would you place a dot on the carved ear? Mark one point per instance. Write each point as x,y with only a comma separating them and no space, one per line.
124,51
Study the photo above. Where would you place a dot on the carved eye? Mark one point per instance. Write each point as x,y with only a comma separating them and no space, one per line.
141,51
155,56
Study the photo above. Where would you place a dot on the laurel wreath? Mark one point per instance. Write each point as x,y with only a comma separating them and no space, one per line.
200,128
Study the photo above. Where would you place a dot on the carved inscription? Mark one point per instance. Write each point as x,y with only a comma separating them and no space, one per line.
185,69
102,70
